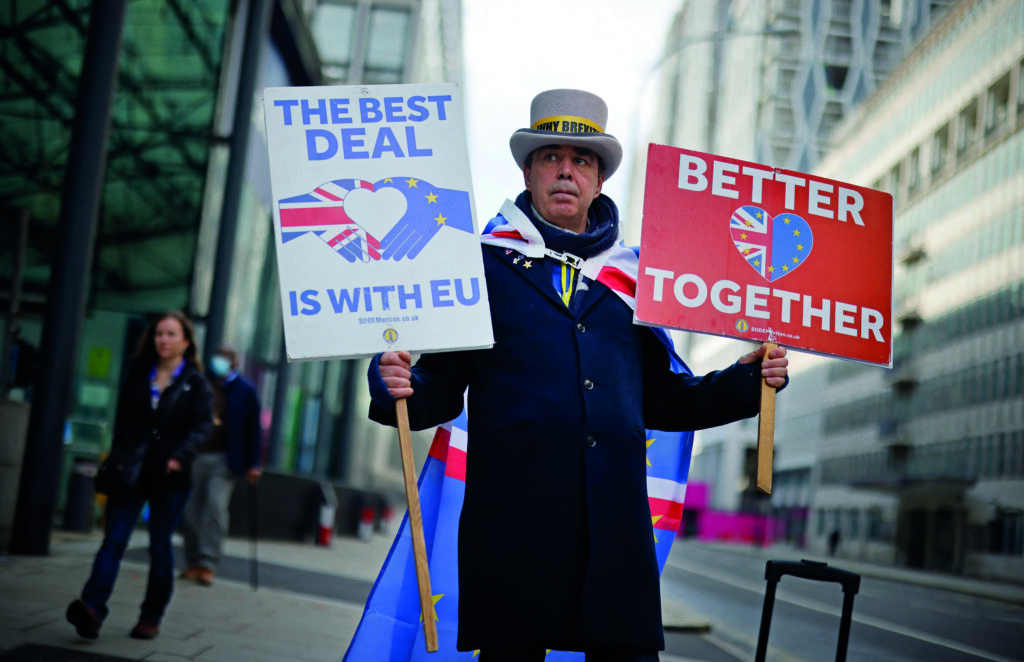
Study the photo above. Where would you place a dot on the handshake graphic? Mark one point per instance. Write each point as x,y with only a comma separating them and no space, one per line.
391,219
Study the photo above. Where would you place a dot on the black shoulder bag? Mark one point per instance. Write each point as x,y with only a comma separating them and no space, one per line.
121,468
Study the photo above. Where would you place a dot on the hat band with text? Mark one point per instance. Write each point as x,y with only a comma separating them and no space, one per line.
566,124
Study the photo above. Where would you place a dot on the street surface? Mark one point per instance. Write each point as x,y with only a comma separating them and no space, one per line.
892,621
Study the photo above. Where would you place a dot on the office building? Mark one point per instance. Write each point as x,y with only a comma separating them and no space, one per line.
923,465
770,82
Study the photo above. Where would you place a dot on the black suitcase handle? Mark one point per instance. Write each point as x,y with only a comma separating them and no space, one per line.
816,571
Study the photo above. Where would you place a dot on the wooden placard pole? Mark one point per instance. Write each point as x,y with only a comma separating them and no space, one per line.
419,545
766,431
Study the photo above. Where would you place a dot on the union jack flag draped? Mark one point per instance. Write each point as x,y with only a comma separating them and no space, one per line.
391,629
615,267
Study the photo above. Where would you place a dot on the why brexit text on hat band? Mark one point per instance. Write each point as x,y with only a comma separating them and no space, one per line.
439,293
366,141
823,199
566,124
760,302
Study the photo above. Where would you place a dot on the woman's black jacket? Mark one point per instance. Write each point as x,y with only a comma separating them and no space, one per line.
177,427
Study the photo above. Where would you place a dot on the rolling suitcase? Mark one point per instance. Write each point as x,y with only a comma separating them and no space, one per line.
817,571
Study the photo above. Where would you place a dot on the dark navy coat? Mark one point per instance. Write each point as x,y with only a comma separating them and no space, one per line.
556,545
241,417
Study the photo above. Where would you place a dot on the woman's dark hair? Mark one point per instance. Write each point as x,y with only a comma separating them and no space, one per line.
146,351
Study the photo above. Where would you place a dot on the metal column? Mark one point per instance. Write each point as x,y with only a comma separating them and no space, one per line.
68,286
280,407
255,29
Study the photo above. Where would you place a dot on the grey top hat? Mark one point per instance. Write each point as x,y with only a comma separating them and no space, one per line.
568,117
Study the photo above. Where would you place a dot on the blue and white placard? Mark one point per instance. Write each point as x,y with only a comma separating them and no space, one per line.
377,242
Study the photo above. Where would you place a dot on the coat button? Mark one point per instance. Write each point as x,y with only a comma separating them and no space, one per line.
587,384
591,442
580,327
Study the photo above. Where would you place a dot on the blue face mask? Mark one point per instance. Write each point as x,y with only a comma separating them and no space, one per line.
220,366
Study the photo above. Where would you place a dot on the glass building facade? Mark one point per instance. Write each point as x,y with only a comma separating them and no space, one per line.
767,82
792,68
159,152
162,136
935,447
163,197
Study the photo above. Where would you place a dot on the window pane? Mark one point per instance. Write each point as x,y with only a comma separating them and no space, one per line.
333,28
386,45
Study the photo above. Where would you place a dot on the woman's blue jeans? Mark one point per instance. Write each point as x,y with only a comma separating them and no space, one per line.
123,511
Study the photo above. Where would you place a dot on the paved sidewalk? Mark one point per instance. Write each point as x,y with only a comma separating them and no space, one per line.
307,606
228,622
306,609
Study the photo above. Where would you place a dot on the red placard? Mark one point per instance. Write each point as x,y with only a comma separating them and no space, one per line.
738,249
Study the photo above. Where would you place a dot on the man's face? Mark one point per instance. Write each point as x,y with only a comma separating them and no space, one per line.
563,181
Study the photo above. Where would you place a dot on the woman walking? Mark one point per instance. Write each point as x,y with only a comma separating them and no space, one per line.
163,416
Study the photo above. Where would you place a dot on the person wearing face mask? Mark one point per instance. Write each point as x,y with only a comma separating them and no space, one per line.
233,449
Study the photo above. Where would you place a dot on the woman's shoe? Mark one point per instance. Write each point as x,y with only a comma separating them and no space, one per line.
83,617
144,630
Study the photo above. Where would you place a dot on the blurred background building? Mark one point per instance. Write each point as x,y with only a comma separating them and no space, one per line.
927,460
184,215
921,465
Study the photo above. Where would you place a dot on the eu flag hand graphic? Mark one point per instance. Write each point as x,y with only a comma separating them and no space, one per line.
429,209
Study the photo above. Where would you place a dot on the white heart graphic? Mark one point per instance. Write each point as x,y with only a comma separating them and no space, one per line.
376,211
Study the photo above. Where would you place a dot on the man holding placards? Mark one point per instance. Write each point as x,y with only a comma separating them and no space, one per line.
556,546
